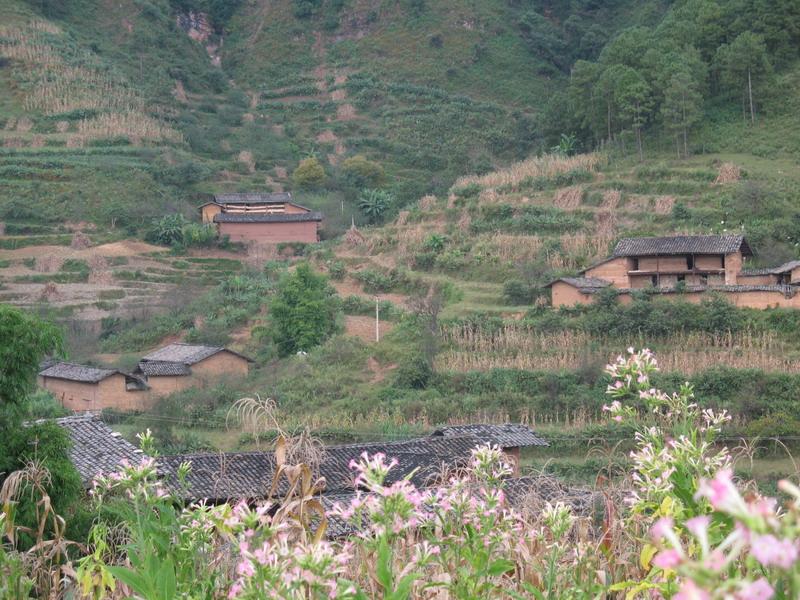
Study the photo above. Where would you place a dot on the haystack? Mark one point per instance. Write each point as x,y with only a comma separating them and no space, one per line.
354,237
2,228
80,241
402,217
728,173
50,292
427,202
664,204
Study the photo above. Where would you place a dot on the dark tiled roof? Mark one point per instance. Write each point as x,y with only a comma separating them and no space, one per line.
74,372
187,354
96,448
161,368
682,244
583,282
267,218
224,476
509,435
253,198
780,270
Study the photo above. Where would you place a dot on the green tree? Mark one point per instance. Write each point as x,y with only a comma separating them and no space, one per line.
360,172
744,64
309,173
26,339
634,98
681,108
374,204
303,312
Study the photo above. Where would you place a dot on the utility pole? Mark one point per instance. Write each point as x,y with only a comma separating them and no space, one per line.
377,320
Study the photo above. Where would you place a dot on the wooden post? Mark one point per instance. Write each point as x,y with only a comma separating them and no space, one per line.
377,320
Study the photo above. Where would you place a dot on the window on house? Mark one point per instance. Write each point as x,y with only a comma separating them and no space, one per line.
681,278
704,279
690,262
635,264
654,280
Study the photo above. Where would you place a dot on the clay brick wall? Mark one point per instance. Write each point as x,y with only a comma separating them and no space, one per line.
221,363
162,386
756,279
640,281
662,263
733,264
708,261
563,294
209,211
615,271
108,393
270,233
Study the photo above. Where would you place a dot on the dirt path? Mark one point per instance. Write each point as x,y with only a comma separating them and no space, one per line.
124,248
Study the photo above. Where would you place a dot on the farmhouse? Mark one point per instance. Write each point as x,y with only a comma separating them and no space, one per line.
179,366
689,265
83,388
169,369
262,218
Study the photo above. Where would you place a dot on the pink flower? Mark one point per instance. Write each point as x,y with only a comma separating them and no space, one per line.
721,492
661,527
770,551
758,590
245,568
690,591
667,559
698,526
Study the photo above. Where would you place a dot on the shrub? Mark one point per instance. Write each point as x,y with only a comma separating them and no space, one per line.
360,172
337,270
309,173
517,291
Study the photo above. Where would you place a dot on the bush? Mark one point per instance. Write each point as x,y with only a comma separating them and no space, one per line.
517,291
337,270
360,172
374,204
309,174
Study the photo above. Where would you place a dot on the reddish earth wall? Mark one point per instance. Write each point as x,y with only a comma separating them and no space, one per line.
266,233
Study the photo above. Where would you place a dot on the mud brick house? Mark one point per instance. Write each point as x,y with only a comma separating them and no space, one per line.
262,218
179,366
689,265
84,388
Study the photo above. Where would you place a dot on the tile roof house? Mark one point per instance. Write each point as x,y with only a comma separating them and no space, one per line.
85,388
169,369
179,366
262,218
689,264
96,448
219,477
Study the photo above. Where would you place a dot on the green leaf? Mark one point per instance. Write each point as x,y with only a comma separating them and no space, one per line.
500,566
136,581
383,568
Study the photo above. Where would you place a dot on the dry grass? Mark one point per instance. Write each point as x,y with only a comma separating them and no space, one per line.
515,247
521,347
543,166
568,198
246,158
427,203
664,205
56,78
611,199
